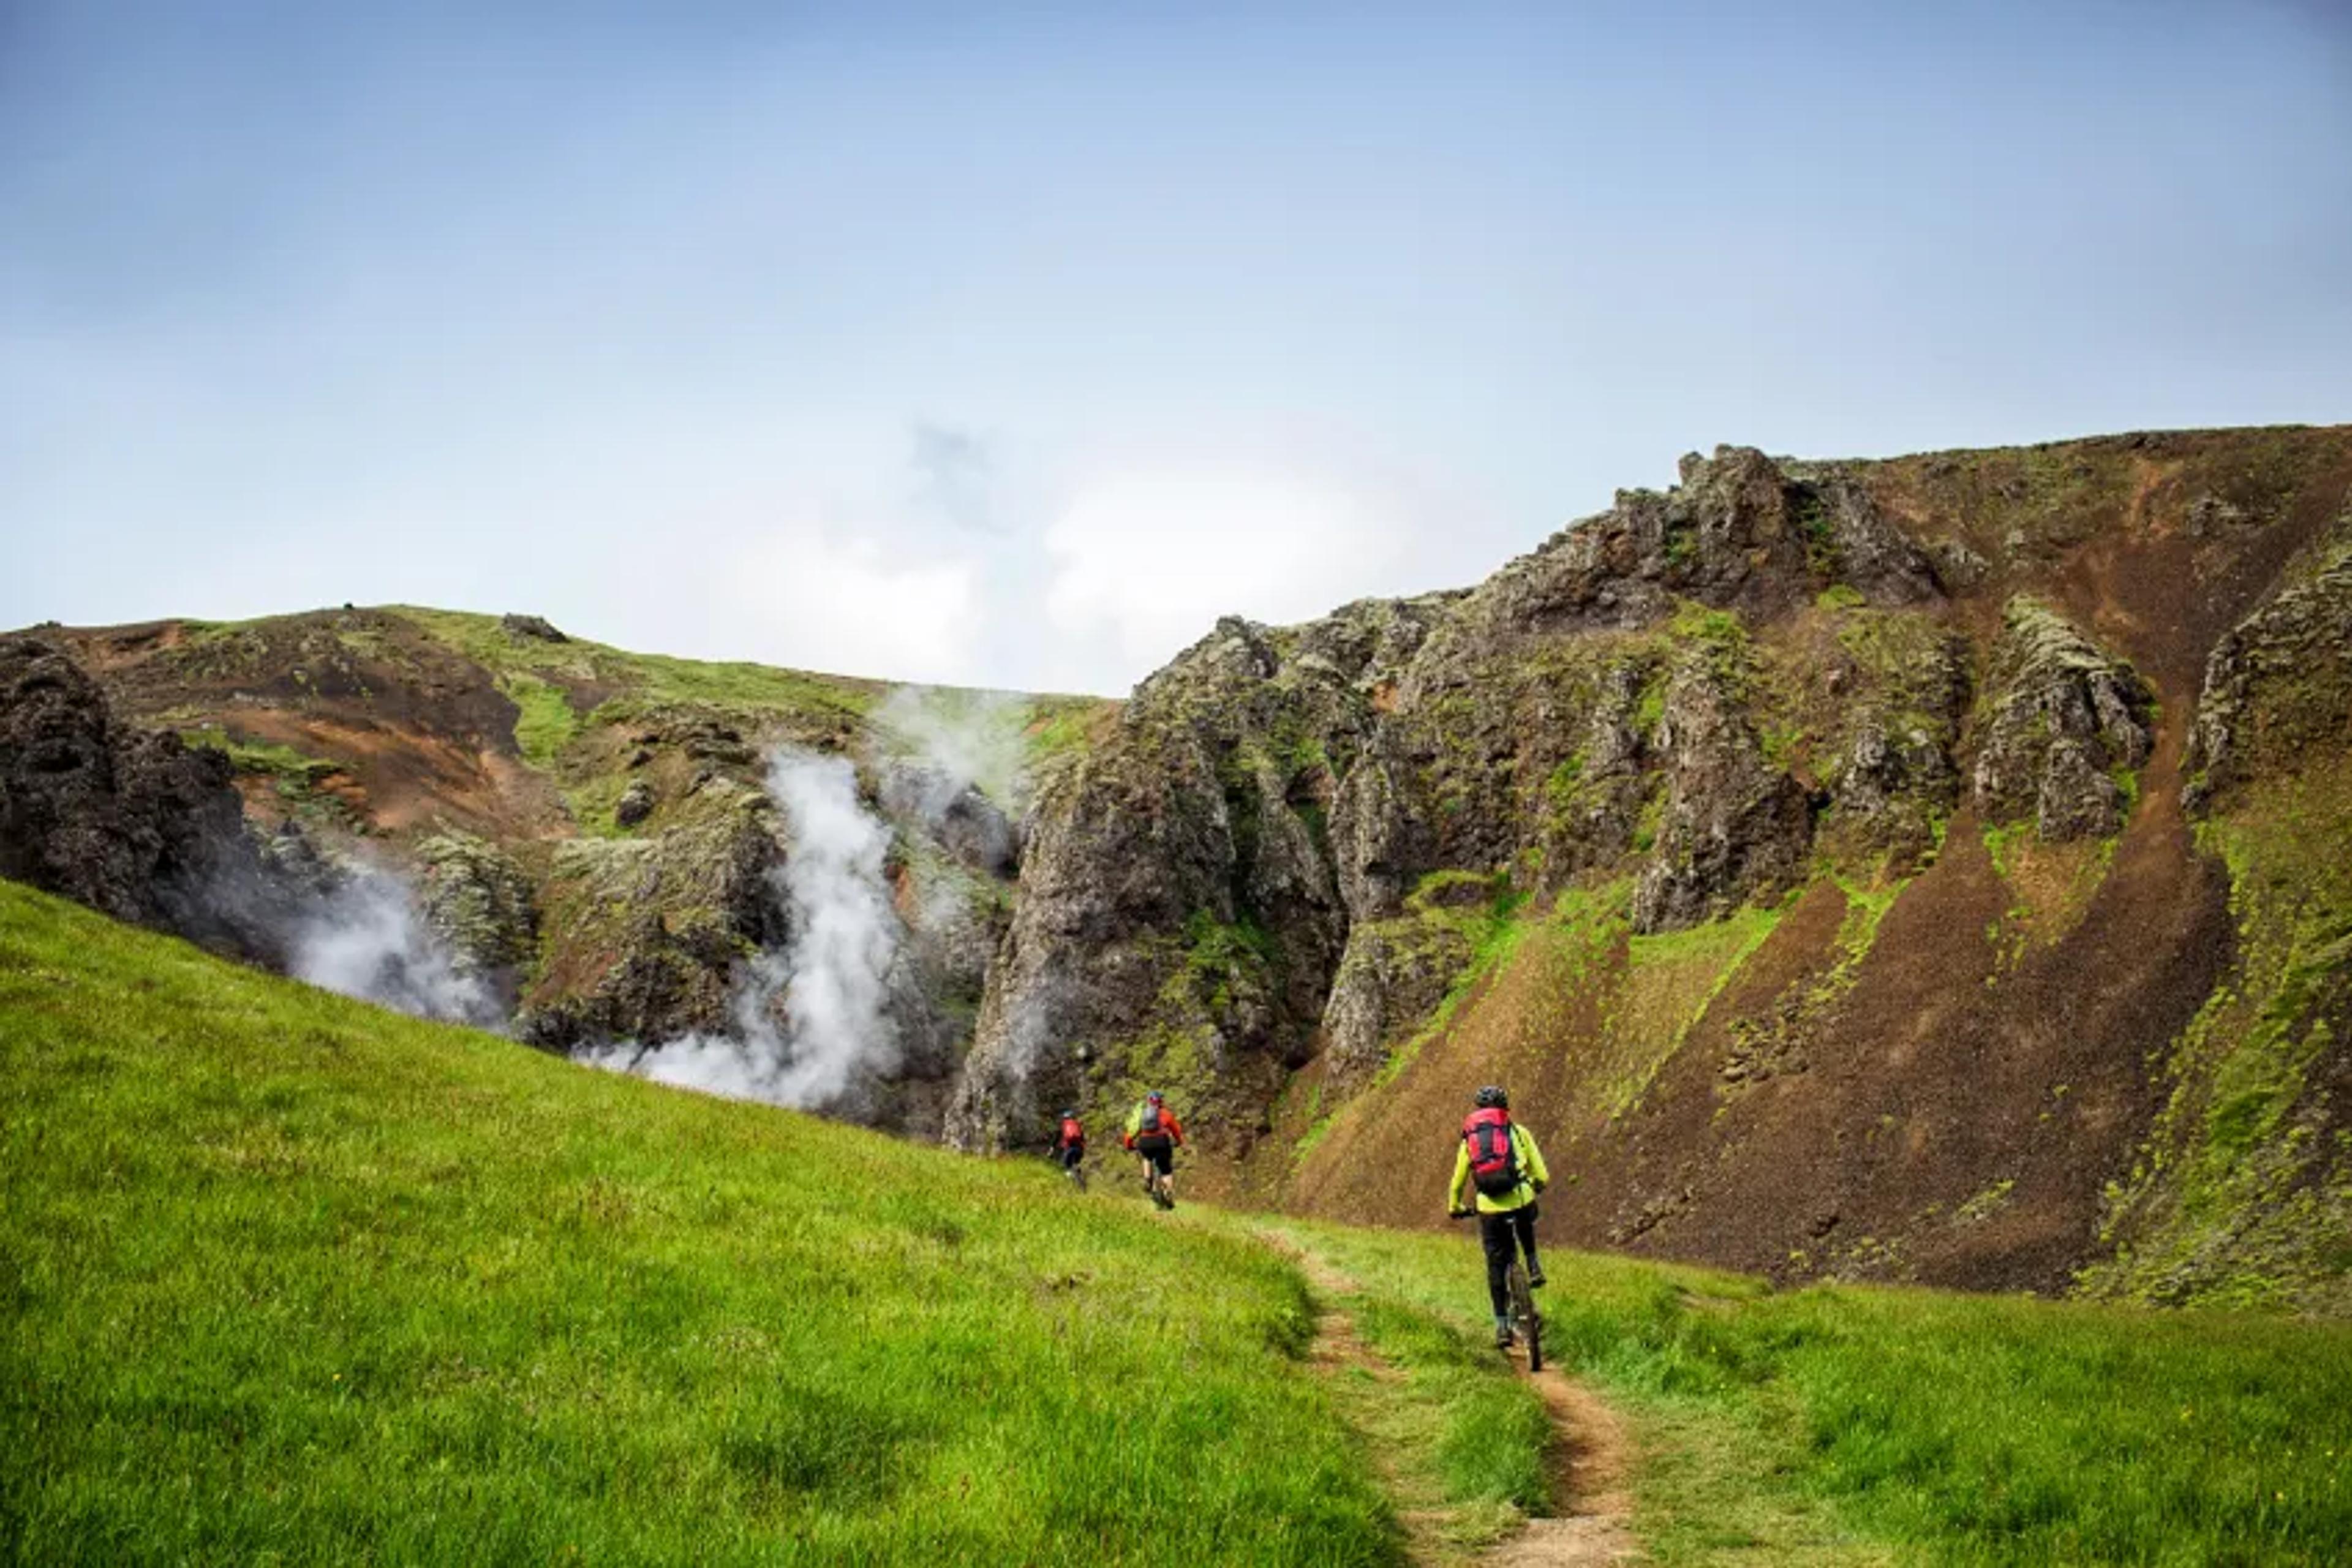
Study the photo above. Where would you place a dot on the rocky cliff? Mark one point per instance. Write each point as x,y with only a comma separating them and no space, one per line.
126,820
1818,851
586,835
1928,868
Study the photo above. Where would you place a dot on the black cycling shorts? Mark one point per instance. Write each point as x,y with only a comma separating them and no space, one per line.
1160,1152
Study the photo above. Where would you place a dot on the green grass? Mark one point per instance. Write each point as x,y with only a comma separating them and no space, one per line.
284,1278
1494,931
1849,1424
648,677
1491,1431
288,1278
544,720
1463,1441
293,771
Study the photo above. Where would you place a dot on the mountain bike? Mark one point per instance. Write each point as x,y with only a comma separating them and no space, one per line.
1527,1323
1525,1320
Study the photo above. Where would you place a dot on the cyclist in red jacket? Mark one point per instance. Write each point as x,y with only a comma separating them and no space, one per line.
1153,1133
1070,1149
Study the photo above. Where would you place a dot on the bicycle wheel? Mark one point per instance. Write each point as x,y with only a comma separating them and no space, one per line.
1523,1313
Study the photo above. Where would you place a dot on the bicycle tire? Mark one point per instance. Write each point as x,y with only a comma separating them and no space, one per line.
1526,1320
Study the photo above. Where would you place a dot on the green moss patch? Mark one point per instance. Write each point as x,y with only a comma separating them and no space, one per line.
2242,1193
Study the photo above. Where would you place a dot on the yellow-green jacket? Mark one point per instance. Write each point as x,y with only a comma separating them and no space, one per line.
1532,1176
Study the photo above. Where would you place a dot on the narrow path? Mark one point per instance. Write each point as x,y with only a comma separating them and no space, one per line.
1594,1461
1592,1453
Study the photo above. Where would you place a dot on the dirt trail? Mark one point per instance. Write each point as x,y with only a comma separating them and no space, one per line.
1595,1459
1592,1453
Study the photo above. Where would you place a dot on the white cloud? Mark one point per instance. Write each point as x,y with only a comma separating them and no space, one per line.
1154,555
822,599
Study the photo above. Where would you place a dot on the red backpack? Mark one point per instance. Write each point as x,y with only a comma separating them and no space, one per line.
1071,1132
1493,1152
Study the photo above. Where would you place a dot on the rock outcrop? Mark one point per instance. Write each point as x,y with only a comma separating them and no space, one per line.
536,627
636,804
127,821
2278,686
2070,724
1734,826
483,908
643,935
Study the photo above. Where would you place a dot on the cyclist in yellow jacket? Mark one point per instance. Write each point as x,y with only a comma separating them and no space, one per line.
1499,1160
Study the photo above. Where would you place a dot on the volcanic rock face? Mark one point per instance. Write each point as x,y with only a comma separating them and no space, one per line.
1180,911
1220,892
647,932
484,908
2275,685
1733,826
130,822
2066,717
1761,830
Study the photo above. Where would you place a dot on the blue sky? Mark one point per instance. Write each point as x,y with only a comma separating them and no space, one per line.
1011,347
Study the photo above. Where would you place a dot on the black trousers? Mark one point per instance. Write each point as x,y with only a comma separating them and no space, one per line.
1498,1232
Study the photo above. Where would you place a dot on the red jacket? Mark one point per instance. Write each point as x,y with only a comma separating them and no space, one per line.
1169,1127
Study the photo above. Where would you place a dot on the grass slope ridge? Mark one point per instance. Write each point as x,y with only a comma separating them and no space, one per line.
286,1277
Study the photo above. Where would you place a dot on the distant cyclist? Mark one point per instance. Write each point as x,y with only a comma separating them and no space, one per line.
1070,1149
1499,1157
1153,1135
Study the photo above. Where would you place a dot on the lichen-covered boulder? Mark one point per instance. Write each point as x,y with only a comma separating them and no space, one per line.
2067,719
636,804
482,906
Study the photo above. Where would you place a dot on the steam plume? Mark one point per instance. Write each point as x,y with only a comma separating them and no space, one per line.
962,740
366,938
809,1017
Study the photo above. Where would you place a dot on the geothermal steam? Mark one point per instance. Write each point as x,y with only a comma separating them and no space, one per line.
962,740
810,1016
367,939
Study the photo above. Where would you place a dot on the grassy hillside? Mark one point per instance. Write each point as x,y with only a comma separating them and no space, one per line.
283,1277
286,1277
1875,1425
